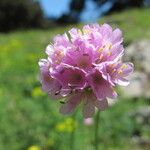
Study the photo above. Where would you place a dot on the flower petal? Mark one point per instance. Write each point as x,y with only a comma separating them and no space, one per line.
70,76
49,84
88,108
71,104
117,36
123,82
100,86
101,105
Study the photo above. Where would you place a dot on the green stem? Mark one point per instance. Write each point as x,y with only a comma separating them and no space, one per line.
96,143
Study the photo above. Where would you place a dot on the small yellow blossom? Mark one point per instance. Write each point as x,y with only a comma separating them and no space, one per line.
37,92
34,147
68,125
60,127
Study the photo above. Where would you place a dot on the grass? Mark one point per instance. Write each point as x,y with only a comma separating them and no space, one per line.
29,118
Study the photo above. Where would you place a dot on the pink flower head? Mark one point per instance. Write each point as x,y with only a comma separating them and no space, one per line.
85,67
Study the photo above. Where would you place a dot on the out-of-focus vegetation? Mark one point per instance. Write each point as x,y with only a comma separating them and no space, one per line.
79,6
19,14
30,121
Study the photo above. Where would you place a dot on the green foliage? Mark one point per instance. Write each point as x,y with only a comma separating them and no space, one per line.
30,121
16,14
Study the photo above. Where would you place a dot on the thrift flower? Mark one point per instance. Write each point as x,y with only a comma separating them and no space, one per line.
84,67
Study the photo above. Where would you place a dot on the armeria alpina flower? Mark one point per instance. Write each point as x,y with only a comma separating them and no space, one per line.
84,66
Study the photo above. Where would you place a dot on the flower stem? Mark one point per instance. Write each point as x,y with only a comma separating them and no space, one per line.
96,142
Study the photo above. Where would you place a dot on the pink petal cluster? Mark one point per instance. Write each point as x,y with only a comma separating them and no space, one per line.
84,66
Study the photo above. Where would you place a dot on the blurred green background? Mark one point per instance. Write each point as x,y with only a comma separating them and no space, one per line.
30,121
